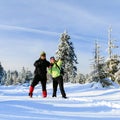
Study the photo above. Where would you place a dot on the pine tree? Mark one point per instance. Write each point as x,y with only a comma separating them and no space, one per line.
15,77
80,78
113,61
2,75
98,74
28,77
66,53
9,80
23,75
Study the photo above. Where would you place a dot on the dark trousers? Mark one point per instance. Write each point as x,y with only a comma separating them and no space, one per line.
39,78
56,81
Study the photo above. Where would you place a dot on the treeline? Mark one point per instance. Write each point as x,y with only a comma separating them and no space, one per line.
15,77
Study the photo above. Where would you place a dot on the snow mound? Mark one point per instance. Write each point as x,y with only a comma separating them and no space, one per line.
99,85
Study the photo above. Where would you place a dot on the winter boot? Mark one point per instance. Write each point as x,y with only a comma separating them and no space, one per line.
64,97
54,95
44,94
31,91
30,94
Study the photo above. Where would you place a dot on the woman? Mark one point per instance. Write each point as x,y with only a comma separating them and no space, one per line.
55,71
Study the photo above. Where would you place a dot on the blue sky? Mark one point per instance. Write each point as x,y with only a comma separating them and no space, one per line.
28,27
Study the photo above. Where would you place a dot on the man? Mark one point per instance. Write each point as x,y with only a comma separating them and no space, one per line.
40,74
55,71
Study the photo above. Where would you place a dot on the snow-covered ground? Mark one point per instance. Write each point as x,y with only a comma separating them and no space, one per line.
84,103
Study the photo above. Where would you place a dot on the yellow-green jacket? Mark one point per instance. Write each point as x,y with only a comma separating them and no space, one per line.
54,70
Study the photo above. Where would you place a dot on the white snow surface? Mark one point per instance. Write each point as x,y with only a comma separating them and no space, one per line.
84,103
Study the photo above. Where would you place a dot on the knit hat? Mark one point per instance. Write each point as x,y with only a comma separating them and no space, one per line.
52,57
43,54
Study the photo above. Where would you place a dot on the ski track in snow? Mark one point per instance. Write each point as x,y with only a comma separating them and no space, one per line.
84,103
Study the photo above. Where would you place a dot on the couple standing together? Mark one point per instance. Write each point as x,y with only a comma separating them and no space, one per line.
54,67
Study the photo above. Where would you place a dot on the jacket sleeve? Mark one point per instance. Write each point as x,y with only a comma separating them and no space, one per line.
50,71
48,64
59,63
37,63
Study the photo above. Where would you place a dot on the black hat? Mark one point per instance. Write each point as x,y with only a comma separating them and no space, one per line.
52,57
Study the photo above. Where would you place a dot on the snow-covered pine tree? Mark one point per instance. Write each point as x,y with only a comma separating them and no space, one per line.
9,80
2,75
23,75
80,78
28,77
67,54
113,61
98,75
15,77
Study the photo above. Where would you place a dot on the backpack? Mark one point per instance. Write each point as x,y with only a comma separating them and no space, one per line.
61,70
